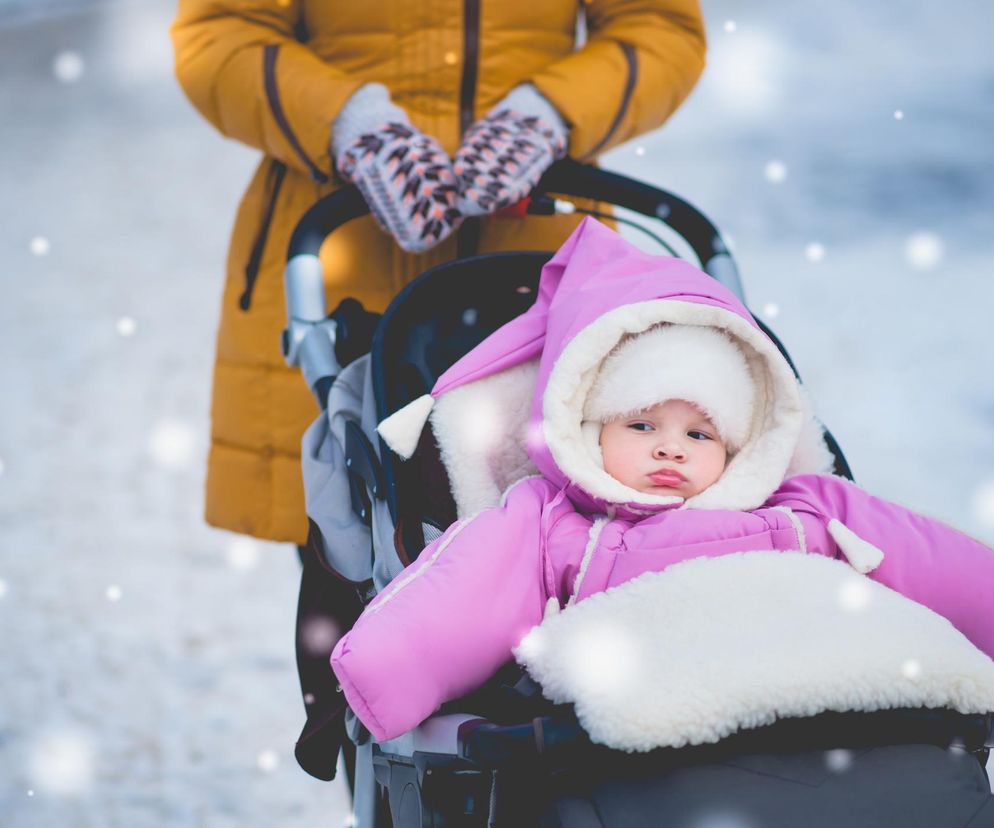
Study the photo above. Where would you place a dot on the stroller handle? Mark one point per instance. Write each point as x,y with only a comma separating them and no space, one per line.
309,332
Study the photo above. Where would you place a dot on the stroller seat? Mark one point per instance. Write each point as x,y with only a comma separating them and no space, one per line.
505,755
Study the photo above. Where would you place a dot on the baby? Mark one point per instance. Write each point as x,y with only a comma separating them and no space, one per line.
665,427
671,448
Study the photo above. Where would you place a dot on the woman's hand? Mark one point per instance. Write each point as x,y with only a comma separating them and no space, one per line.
404,175
505,153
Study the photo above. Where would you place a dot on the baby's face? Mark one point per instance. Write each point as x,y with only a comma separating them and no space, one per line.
669,449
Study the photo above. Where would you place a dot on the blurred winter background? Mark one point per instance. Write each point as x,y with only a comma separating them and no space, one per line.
148,665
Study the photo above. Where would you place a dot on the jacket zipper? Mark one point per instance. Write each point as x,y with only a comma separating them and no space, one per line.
277,173
626,97
468,236
269,54
471,57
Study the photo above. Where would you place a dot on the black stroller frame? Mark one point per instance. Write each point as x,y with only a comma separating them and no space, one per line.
496,757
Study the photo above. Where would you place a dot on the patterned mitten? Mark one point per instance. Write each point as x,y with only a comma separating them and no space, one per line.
404,175
505,153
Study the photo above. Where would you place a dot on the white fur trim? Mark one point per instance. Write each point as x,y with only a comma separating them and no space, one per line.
795,521
402,429
677,362
752,474
481,430
862,555
588,553
710,646
811,455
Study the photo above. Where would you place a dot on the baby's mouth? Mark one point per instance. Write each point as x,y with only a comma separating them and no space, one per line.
667,477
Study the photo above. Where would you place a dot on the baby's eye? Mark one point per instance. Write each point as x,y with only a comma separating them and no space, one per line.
640,426
693,434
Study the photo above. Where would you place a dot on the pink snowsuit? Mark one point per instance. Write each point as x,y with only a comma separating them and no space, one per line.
453,617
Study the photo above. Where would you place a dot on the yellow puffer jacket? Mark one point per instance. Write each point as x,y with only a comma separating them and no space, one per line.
275,73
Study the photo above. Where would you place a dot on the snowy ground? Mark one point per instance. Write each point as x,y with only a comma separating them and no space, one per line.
148,661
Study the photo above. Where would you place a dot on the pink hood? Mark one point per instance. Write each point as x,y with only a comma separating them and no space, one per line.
595,290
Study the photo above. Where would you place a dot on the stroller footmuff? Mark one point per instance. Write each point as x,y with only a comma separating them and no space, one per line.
505,755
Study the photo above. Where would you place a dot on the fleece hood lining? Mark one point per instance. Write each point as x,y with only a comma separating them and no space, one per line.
751,475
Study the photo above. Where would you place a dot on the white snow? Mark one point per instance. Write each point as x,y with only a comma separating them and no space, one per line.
118,203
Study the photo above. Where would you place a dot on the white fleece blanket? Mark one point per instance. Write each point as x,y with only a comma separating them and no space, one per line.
711,646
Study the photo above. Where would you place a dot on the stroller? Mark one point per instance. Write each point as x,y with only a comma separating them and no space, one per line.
505,755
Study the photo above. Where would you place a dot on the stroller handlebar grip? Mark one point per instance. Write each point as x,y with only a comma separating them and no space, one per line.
565,177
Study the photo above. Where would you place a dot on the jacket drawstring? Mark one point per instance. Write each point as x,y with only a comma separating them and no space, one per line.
276,176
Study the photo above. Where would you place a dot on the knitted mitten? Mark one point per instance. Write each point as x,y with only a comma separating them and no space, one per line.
505,153
403,174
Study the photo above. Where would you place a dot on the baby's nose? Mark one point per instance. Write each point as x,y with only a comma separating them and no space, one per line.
671,449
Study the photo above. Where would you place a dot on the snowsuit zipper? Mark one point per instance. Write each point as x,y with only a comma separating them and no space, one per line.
632,60
269,55
274,181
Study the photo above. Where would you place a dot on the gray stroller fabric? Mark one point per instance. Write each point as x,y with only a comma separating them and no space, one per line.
357,552
911,786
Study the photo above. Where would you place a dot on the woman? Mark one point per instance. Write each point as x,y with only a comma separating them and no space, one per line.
278,74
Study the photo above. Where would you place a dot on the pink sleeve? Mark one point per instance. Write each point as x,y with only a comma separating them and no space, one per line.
925,560
445,624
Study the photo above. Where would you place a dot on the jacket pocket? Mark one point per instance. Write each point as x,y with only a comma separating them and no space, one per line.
269,56
274,183
631,59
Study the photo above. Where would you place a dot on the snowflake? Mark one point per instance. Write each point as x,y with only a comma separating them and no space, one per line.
815,252
1,467
854,596
775,171
114,593
723,819
319,635
911,669
730,26
469,317
838,761
771,310
3,587
640,150
126,326
611,669
923,250
267,761
171,444
68,67
898,114
242,554
982,504
61,762
746,73
40,246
